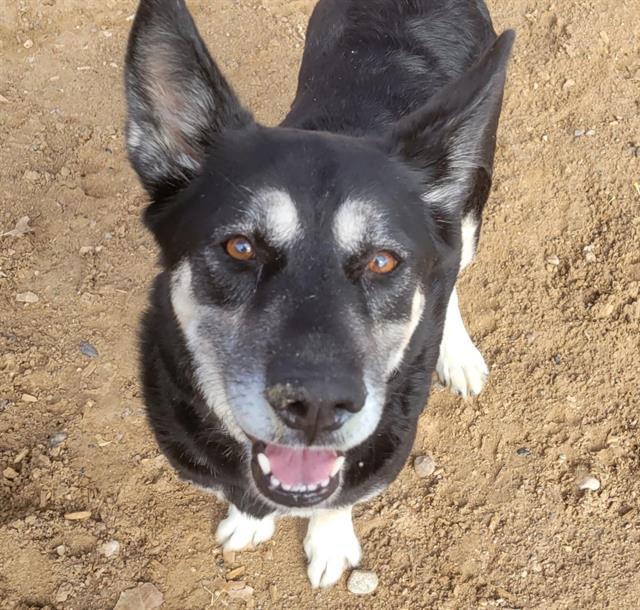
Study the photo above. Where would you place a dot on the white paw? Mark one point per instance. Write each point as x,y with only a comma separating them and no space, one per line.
240,531
461,366
331,547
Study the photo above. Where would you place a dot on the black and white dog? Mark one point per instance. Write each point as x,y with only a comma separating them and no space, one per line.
308,284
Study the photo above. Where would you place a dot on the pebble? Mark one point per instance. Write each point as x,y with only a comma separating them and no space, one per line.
31,175
28,398
22,227
143,597
362,582
578,133
80,515
589,256
110,548
424,465
23,454
61,550
28,43
56,439
88,350
553,260
10,473
523,452
589,483
27,297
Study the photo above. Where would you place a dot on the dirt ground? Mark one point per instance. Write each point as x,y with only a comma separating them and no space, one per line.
552,300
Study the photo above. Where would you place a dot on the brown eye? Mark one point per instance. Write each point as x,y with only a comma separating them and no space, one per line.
240,248
383,262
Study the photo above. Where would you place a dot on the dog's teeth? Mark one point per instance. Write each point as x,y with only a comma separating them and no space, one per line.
325,483
286,487
275,482
265,464
337,466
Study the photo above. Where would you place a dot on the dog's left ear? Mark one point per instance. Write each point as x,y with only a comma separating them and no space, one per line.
177,98
452,139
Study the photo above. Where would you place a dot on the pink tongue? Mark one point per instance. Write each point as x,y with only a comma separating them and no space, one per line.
293,466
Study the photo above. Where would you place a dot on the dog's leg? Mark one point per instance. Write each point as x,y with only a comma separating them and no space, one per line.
460,365
331,546
240,530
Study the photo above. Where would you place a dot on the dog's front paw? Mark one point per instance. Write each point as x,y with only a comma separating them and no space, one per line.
240,531
331,547
461,366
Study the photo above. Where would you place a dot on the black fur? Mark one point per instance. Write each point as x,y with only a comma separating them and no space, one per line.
387,89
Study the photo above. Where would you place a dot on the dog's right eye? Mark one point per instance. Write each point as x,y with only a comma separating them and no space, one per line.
240,248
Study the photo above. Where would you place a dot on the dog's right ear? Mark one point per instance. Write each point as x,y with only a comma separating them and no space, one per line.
177,98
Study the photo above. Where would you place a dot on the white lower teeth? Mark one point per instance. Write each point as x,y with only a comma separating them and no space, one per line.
275,482
325,483
286,487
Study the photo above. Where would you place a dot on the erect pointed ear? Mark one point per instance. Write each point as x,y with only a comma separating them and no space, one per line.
451,140
177,98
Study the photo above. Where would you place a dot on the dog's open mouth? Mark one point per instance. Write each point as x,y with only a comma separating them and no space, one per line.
296,476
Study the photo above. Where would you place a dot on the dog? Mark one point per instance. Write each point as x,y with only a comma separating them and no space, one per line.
307,292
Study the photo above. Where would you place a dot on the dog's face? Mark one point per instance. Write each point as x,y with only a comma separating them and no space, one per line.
303,265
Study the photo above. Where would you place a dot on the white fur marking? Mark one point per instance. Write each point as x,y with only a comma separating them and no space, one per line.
276,212
354,222
190,315
468,229
331,546
240,531
460,364
406,331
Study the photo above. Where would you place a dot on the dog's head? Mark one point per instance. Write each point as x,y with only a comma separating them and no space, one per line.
306,268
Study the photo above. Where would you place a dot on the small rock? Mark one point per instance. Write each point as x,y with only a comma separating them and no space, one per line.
61,550
56,439
424,466
22,227
31,175
28,398
578,133
523,452
88,350
110,548
80,515
362,582
229,557
589,256
143,597
23,454
85,250
590,132
589,483
10,473
236,573
568,84
27,297
553,260
28,43
238,590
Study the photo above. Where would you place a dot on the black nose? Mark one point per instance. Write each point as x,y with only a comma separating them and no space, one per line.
316,405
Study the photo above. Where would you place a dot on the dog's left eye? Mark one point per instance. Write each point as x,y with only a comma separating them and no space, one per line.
382,262
240,248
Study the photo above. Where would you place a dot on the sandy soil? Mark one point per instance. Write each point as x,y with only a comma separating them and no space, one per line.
552,300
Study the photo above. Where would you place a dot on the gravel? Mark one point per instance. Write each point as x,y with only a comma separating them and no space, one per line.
362,582
424,465
88,350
